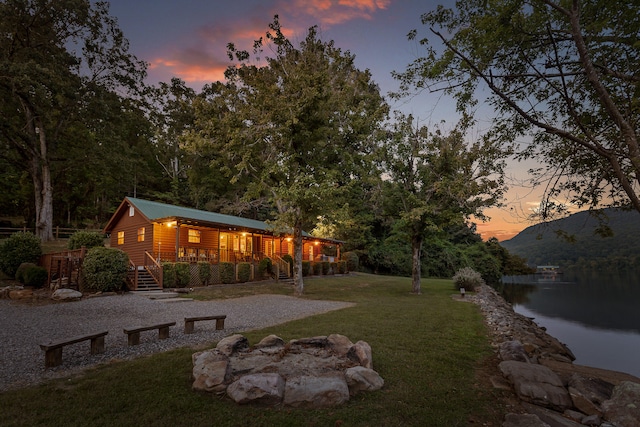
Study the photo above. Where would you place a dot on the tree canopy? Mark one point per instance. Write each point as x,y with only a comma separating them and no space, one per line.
61,63
438,179
565,73
300,126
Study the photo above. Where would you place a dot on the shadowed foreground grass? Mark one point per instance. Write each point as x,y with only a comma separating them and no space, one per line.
427,348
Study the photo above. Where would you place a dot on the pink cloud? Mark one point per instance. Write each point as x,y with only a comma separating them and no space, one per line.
204,59
334,12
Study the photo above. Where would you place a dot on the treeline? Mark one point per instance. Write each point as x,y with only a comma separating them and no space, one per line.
306,142
603,240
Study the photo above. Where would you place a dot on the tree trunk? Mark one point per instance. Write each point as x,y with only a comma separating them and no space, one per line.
42,188
297,259
416,252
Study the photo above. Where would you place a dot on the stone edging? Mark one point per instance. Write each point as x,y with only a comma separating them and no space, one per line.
539,368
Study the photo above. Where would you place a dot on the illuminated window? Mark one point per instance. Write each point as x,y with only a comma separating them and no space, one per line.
141,234
194,236
121,237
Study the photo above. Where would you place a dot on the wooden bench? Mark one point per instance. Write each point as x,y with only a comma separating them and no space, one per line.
189,321
53,349
133,334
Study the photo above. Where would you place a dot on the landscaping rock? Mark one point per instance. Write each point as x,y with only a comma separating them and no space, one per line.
523,420
360,379
623,409
361,353
21,294
513,350
66,295
232,344
314,372
316,392
211,371
536,384
267,388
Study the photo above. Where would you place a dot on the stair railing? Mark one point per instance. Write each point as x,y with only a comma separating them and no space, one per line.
132,276
281,266
153,267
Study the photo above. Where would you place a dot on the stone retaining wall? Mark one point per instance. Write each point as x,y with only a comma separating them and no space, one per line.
540,370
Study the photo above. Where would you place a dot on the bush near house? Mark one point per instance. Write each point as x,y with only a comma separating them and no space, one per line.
342,267
22,269
352,260
30,274
204,272
227,272
317,268
244,272
105,269
168,275
88,239
18,248
265,268
334,268
326,266
183,274
306,268
35,276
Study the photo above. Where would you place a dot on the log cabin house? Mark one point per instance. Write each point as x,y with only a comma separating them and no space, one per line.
152,233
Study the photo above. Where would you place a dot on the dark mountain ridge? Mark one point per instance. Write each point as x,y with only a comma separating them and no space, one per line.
609,237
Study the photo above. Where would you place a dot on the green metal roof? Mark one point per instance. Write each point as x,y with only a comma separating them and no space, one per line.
156,211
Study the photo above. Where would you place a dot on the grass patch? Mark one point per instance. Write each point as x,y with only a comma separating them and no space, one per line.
427,348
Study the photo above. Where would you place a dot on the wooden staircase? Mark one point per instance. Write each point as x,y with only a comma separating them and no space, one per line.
146,282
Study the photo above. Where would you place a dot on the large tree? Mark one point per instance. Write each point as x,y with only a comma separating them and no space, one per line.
437,179
566,72
58,60
299,123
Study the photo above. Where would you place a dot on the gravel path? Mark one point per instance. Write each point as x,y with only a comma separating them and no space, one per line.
23,327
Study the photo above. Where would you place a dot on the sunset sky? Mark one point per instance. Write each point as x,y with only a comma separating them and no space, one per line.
188,39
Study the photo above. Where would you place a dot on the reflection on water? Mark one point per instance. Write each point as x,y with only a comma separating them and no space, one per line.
595,315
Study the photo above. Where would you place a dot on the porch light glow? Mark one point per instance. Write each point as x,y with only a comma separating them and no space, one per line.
317,243
288,239
171,224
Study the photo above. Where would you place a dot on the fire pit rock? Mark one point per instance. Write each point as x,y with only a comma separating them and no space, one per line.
311,372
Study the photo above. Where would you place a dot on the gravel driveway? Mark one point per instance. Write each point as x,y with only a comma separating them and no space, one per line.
23,327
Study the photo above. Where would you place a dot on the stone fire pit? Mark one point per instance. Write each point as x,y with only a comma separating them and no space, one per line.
309,372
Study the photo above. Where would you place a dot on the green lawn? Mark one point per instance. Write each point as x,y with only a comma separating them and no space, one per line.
428,349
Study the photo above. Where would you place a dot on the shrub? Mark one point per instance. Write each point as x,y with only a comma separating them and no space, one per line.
334,268
183,274
342,267
18,248
88,239
326,266
204,272
265,268
467,278
227,272
244,272
35,276
168,275
104,269
306,268
352,260
22,269
288,258
317,268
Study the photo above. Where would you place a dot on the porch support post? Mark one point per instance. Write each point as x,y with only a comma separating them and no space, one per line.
177,238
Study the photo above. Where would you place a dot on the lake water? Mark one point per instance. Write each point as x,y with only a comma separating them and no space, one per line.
596,315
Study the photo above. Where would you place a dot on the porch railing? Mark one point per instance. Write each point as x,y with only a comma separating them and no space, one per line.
132,276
